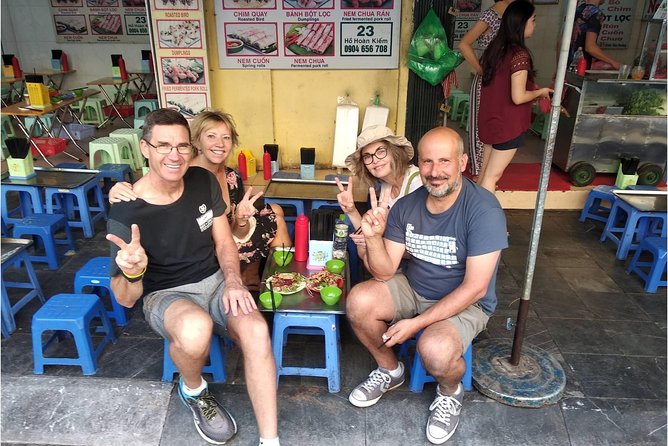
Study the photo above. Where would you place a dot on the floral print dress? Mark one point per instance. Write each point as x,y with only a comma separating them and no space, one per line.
255,245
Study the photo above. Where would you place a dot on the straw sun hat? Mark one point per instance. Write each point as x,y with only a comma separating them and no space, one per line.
376,133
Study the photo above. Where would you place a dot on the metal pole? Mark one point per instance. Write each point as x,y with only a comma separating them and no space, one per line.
542,185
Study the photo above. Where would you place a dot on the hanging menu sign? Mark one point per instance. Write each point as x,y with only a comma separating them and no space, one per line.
467,13
180,49
308,34
94,21
616,29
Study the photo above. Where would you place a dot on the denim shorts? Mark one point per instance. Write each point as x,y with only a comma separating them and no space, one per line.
514,143
408,303
207,294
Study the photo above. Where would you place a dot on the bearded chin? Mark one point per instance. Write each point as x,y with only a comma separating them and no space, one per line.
446,189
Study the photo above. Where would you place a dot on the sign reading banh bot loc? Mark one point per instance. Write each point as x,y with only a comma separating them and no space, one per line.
93,21
616,29
308,34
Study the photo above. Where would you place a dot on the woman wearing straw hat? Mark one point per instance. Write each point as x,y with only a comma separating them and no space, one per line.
381,158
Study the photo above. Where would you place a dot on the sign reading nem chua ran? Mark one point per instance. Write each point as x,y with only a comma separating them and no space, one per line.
308,34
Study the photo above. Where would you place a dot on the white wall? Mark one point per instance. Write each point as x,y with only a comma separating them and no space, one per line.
29,33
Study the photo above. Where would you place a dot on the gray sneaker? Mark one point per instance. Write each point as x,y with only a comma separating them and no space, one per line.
444,416
379,381
213,422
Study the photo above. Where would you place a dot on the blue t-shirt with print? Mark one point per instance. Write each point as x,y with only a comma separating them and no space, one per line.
439,244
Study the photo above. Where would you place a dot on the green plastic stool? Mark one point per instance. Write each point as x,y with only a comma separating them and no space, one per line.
92,111
39,131
111,151
457,101
464,123
145,106
132,136
540,125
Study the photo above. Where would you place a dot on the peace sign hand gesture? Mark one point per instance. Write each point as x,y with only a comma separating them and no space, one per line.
246,207
131,257
345,196
375,220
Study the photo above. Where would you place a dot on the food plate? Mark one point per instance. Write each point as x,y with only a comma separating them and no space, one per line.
287,283
300,50
296,4
316,281
268,50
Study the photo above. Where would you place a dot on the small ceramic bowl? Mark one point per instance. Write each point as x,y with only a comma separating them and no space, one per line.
330,295
234,45
283,257
335,266
265,299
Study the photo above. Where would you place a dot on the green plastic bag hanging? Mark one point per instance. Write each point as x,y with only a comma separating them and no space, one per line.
429,56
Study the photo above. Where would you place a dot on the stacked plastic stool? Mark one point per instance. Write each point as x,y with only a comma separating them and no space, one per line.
93,111
145,106
72,313
654,276
71,201
215,365
110,150
133,136
46,227
38,130
94,278
593,207
30,202
328,323
627,226
419,376
459,100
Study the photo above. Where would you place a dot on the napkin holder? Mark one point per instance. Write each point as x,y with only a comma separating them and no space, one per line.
56,64
319,252
21,168
307,166
625,180
146,61
38,93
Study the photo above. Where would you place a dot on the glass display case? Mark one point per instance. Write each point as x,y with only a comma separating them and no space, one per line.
610,118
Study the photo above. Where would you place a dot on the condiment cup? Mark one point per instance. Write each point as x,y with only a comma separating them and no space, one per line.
265,299
637,72
283,257
330,295
335,266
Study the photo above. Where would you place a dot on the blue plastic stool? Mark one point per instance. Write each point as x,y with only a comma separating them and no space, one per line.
31,286
215,366
95,275
657,268
118,172
72,313
628,232
76,200
29,199
419,375
328,323
298,206
593,206
46,226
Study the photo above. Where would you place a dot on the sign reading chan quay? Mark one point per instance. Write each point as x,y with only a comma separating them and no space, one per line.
308,34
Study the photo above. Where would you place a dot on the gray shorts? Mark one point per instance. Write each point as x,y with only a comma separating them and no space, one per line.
207,294
408,303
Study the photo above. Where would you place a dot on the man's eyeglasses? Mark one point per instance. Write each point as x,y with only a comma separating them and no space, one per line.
380,153
166,149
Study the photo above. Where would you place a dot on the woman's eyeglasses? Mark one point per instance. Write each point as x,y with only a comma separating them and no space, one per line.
166,149
380,153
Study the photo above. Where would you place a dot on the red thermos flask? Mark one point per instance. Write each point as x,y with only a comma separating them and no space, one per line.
16,67
266,165
243,169
64,65
301,238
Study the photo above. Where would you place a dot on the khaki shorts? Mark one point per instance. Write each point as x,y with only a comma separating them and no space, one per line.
408,303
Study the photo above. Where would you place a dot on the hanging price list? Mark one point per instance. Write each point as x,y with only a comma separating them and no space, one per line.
366,39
